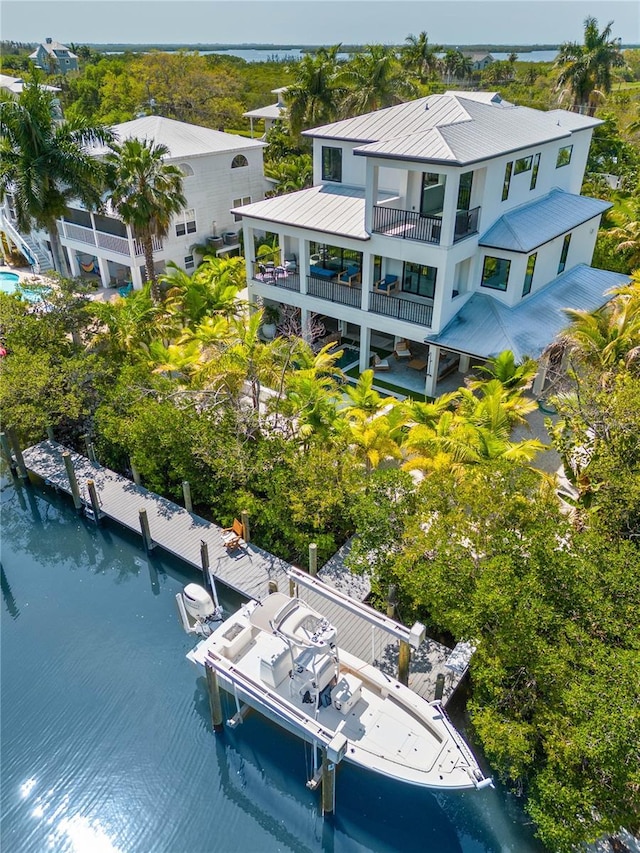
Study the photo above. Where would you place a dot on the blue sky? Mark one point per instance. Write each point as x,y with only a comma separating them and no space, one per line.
313,21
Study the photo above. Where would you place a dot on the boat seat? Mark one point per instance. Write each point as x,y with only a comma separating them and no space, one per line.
346,693
235,640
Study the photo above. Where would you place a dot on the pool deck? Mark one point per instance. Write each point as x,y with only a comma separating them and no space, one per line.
247,569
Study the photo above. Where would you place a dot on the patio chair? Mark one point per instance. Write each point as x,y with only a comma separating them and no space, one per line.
350,276
233,536
402,350
386,284
380,363
126,289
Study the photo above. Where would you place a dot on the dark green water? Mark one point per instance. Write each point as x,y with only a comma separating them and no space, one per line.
106,743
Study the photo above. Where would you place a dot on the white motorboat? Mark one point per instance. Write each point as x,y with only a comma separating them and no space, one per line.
280,657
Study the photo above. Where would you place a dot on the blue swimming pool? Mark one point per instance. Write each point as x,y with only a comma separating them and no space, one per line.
9,284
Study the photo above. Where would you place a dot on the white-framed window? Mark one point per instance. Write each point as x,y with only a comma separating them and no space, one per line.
186,223
240,202
189,262
331,164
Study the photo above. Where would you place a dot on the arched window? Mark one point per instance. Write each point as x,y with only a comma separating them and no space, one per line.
186,169
239,160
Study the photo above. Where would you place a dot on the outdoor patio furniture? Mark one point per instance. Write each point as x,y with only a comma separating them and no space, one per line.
126,289
417,364
233,536
350,276
380,363
386,284
322,272
402,350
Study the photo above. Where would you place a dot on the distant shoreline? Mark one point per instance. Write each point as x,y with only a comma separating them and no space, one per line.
345,48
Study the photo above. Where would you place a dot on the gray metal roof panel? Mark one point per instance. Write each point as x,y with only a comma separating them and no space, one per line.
273,111
484,326
329,209
526,227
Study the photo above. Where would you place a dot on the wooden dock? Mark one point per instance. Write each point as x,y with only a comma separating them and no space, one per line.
248,569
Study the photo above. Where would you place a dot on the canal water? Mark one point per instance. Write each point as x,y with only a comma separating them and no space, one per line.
106,745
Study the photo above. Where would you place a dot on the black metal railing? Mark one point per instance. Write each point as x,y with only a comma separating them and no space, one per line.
406,224
333,291
466,223
420,313
290,281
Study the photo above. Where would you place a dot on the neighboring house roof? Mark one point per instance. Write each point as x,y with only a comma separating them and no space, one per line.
53,48
531,225
456,128
331,209
182,139
485,327
478,57
16,85
273,111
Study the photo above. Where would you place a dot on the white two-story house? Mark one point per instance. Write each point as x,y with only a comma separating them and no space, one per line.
453,221
221,171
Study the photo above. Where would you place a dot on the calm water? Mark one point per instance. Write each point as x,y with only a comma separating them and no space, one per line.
295,54
106,743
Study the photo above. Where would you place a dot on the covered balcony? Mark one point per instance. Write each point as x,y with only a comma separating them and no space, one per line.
102,232
423,227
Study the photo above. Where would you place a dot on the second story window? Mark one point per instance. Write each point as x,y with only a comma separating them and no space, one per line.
238,161
186,223
523,165
564,156
495,273
331,164
464,191
534,172
507,180
240,202
528,276
564,253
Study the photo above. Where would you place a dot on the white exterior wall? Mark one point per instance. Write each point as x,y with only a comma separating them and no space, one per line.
354,169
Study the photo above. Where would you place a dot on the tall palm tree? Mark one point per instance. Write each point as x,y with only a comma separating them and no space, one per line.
629,237
145,192
418,54
374,79
45,163
585,69
314,94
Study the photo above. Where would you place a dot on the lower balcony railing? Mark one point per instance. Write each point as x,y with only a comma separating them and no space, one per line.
333,291
289,281
420,313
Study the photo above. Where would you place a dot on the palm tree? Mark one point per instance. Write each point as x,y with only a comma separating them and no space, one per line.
46,163
513,376
629,237
314,94
145,192
295,173
420,55
374,79
585,69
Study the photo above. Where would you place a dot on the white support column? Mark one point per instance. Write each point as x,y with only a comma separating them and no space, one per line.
303,263
465,363
540,378
449,209
370,194
74,266
367,279
105,275
136,277
305,319
365,346
432,371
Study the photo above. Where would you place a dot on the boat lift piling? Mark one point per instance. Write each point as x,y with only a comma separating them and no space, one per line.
17,452
149,544
73,482
186,491
215,702
95,501
6,452
313,559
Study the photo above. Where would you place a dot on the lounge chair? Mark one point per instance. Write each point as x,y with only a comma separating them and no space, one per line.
126,289
386,284
380,363
402,350
233,536
350,276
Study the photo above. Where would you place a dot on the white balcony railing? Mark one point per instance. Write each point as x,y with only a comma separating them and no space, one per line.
102,240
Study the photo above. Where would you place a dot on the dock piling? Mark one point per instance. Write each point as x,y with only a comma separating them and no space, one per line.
391,601
272,587
73,483
186,491
404,659
215,703
95,503
146,532
135,473
91,453
17,452
244,518
6,451
313,559
328,784
439,687
50,434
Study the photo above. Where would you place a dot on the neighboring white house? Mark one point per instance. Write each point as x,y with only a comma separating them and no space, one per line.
54,57
479,61
271,113
220,170
453,220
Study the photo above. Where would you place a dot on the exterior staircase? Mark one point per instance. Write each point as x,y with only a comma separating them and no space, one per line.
37,256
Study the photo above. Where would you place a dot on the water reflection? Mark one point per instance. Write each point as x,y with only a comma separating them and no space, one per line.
7,595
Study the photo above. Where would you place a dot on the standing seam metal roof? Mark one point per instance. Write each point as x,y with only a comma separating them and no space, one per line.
537,222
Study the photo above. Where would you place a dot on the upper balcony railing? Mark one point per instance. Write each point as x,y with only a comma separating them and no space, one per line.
111,242
466,223
407,224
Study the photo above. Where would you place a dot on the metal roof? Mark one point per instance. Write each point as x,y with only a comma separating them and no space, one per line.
484,327
526,227
335,209
182,139
273,111
457,128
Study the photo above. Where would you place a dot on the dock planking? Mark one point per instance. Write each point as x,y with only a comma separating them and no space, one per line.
248,569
